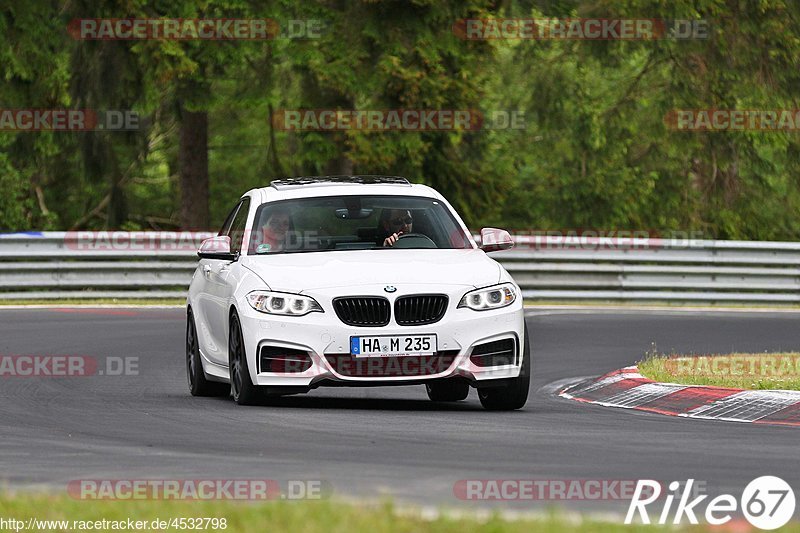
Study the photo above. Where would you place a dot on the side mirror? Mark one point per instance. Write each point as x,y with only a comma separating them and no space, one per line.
216,248
494,240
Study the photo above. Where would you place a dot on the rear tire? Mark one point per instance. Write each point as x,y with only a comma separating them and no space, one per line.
448,390
244,392
514,395
198,384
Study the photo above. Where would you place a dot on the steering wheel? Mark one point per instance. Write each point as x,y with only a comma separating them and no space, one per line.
414,240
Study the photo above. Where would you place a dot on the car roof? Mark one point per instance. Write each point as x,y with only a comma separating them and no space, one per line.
314,186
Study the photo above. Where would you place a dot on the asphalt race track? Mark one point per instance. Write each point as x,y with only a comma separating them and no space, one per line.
380,441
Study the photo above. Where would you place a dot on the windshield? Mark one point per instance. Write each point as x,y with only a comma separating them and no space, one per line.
354,223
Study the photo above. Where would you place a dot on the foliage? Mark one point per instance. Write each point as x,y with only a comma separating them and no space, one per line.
595,152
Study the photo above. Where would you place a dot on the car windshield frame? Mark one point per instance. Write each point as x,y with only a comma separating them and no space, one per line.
437,218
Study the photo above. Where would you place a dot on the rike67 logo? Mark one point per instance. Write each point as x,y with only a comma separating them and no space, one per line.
768,502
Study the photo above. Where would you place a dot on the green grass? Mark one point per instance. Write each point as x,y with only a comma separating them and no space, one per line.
762,371
306,516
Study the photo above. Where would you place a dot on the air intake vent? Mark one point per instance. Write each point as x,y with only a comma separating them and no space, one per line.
285,360
496,353
420,309
363,310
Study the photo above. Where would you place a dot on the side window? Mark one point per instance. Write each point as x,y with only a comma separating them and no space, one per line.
239,226
226,227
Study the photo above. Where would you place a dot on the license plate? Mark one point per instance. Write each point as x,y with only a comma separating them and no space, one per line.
399,345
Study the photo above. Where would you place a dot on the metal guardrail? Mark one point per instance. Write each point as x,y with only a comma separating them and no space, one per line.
160,265
81,265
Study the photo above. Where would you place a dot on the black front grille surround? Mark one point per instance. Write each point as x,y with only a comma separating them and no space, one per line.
283,360
369,311
495,353
420,309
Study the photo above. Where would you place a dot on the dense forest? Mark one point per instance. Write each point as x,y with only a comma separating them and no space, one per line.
594,146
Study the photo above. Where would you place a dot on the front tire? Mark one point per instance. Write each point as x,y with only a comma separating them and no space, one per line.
244,392
449,390
198,384
514,395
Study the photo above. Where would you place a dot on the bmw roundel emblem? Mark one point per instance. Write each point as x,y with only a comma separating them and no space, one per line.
390,288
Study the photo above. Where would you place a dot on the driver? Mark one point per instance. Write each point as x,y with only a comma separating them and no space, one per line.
275,231
394,222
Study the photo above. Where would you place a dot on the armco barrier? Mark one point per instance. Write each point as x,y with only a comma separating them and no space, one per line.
39,265
160,265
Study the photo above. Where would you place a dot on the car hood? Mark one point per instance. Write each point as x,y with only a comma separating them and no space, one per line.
319,270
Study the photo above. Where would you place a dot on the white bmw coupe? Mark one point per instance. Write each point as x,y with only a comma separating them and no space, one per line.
354,281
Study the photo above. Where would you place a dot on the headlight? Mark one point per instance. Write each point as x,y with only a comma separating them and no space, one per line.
282,303
490,297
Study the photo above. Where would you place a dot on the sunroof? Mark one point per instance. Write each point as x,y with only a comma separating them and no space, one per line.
287,183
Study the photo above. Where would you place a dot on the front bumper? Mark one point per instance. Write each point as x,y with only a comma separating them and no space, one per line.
327,341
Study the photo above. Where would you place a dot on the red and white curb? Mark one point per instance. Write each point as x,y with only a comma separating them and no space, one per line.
628,389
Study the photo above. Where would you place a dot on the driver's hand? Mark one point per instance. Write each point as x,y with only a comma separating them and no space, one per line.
391,239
